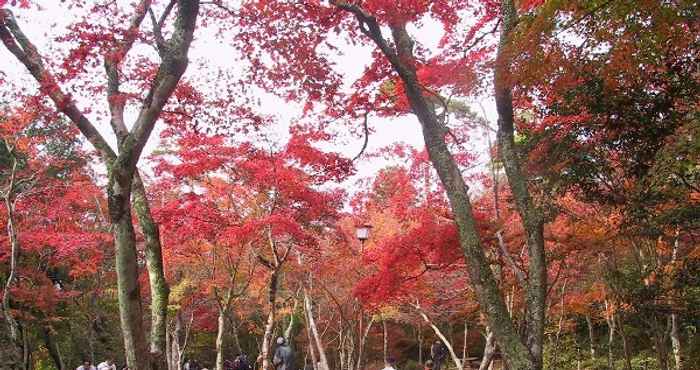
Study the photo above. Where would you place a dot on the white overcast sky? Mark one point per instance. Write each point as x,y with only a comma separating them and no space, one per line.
53,18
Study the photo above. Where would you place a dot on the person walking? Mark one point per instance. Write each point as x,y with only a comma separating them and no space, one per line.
283,358
438,352
107,364
87,365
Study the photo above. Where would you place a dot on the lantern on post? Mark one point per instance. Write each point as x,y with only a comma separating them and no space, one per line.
362,233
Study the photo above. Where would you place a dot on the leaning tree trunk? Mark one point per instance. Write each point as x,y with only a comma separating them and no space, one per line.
52,347
314,331
458,364
400,56
363,341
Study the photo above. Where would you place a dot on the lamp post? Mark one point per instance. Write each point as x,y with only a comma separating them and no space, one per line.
362,233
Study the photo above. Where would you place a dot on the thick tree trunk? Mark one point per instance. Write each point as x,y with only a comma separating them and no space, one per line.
323,365
52,347
530,215
269,325
129,292
156,275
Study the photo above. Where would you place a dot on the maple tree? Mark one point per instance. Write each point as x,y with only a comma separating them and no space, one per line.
121,165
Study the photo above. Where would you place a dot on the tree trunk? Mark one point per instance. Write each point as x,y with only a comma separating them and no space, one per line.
532,219
16,337
314,332
591,337
420,343
53,349
385,337
160,290
489,350
269,325
560,327
220,332
290,328
676,342
465,363
675,330
312,351
659,336
129,292
445,341
609,319
625,346
363,341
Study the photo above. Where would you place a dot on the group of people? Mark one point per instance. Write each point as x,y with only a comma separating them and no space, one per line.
104,365
283,359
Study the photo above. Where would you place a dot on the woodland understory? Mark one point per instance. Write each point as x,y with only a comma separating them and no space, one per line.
176,183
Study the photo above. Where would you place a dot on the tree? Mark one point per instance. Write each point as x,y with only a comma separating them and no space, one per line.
121,165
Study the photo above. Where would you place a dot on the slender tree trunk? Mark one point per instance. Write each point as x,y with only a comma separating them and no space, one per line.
290,328
591,336
220,332
659,336
269,325
465,363
52,347
363,341
610,320
676,342
17,340
420,343
442,337
312,351
385,337
489,350
314,331
560,327
625,346
675,330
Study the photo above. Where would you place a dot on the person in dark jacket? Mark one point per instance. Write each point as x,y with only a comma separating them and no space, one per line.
283,358
438,352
